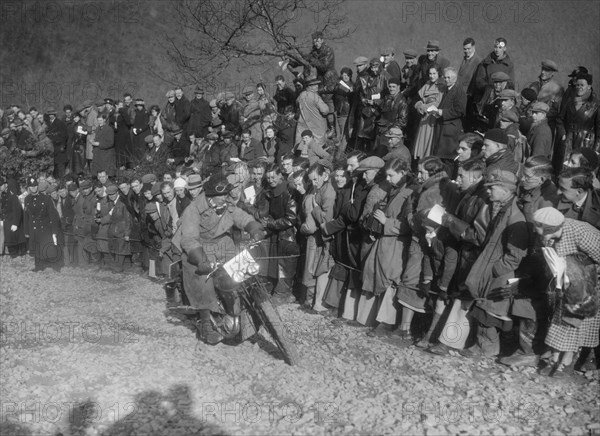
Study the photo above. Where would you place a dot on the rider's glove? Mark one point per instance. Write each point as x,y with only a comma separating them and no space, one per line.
256,230
198,257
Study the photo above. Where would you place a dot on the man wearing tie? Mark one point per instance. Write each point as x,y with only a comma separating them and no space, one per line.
579,200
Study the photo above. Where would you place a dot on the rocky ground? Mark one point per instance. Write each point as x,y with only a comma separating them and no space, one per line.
88,352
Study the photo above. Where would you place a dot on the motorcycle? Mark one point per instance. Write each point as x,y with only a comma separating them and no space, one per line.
245,305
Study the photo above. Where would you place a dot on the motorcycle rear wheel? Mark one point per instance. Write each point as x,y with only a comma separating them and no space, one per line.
273,324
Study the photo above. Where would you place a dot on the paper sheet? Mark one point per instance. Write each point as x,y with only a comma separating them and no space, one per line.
250,194
238,263
436,213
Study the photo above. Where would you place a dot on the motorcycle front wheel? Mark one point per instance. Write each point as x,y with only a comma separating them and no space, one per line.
272,322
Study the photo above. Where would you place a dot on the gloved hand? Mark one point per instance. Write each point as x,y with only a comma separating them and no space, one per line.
424,289
205,268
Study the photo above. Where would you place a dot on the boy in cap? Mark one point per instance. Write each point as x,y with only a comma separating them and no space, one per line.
539,136
548,90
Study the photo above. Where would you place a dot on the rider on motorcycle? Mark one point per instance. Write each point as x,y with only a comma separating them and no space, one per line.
206,240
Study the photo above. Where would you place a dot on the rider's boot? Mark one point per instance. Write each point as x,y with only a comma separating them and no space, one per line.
207,331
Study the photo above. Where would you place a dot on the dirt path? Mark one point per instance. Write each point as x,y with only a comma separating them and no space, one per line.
90,352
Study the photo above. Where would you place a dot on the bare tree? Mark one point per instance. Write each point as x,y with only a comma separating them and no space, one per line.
212,35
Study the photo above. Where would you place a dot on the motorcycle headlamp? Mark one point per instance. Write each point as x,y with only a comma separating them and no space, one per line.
252,269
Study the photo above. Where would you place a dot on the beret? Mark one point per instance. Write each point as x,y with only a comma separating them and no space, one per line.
307,133
148,178
370,163
502,177
500,76
410,53
85,184
111,189
179,183
549,65
549,219
529,94
509,116
217,185
496,135
539,106
194,181
361,60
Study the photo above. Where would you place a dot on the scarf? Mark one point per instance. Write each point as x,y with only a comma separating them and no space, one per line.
579,100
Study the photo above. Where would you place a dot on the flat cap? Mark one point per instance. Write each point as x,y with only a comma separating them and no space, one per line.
155,189
506,94
5,131
548,219
590,155
387,51
502,177
111,189
148,178
361,60
539,106
549,65
496,135
410,53
85,184
370,163
72,187
395,132
149,139
248,90
50,111
150,208
212,136
509,116
227,134
18,122
199,90
500,76
86,104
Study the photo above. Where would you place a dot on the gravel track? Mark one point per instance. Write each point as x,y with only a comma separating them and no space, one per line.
89,352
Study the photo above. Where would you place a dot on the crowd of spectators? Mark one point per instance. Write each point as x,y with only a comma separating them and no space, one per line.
436,205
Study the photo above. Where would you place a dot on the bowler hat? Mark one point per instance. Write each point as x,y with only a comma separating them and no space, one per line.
539,106
432,44
500,76
217,185
549,65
